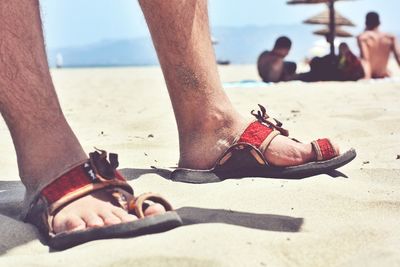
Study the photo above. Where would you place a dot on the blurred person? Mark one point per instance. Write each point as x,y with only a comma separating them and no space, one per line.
271,65
322,68
376,47
349,65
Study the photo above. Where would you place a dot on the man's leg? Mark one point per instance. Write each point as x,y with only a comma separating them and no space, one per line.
45,145
207,122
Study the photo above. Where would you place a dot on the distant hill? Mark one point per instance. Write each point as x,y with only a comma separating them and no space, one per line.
244,45
107,53
239,45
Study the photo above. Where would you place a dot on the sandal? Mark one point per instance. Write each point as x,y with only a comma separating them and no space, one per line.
97,174
246,158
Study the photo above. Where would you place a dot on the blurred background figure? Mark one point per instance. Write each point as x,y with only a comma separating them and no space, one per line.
59,61
349,65
345,66
376,47
271,65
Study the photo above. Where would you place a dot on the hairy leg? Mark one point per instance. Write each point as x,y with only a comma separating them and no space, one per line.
202,110
45,145
207,121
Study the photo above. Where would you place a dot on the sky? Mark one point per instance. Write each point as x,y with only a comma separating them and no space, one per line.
82,22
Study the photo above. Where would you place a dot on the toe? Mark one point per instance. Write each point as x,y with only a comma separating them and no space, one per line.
92,219
109,218
154,209
70,223
123,215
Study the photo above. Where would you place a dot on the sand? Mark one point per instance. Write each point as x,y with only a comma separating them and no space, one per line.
348,220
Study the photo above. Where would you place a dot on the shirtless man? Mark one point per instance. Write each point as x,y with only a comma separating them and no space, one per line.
375,47
271,65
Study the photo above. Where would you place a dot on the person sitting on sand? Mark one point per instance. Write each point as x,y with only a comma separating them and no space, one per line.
343,67
376,47
73,198
271,65
349,65
321,68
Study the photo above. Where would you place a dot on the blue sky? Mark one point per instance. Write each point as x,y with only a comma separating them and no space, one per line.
82,22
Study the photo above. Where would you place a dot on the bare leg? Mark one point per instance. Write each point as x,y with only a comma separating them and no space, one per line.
207,122
45,145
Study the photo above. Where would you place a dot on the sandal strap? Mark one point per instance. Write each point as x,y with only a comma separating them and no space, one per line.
260,133
323,149
138,205
265,119
97,173
256,133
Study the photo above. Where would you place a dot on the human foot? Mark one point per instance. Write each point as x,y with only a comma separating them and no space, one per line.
283,152
262,149
208,143
93,201
95,210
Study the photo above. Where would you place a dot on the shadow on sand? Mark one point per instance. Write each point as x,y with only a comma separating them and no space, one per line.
267,222
15,233
133,173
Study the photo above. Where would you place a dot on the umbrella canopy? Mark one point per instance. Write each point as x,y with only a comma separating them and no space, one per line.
329,17
338,32
323,18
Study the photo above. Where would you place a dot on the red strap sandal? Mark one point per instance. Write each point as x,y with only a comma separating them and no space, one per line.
97,174
246,158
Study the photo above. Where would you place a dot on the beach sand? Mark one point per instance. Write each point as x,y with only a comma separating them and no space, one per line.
348,220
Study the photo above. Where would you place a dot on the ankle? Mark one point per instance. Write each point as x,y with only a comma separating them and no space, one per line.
48,155
206,140
212,123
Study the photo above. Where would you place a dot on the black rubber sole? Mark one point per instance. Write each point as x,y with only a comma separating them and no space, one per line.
242,165
145,226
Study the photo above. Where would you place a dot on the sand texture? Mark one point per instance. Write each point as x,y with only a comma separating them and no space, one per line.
348,220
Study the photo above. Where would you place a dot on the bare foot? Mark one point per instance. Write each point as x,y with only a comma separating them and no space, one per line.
283,151
204,147
95,210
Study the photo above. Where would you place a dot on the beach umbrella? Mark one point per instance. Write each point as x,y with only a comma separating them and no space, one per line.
339,32
330,18
324,18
